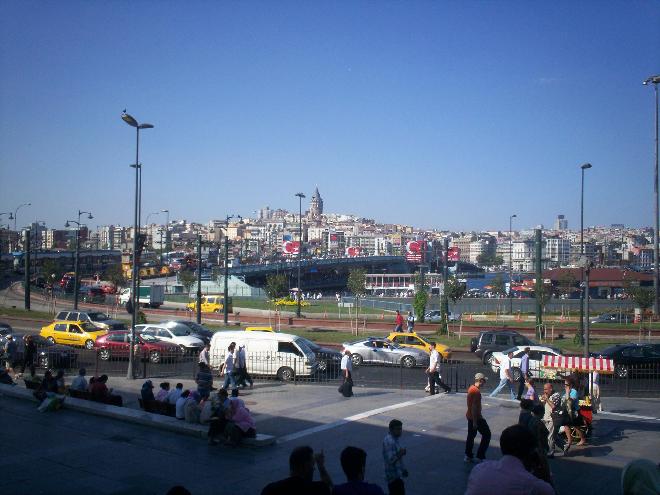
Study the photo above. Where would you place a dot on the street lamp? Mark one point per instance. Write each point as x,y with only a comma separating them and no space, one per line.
299,293
77,258
581,339
225,305
136,227
656,274
16,213
167,230
511,217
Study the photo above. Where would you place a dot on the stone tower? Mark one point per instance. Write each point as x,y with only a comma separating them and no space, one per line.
316,205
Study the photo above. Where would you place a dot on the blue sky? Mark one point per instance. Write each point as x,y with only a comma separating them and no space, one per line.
451,115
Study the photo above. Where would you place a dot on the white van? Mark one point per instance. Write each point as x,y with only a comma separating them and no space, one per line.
267,354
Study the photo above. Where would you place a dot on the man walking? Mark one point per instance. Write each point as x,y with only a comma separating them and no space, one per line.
505,376
346,388
398,322
240,368
476,421
433,372
393,454
411,322
524,369
551,401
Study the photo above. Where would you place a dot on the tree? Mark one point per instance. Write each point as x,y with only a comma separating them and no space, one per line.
357,281
567,282
187,279
276,286
642,297
489,259
498,285
454,289
421,297
51,271
115,275
542,292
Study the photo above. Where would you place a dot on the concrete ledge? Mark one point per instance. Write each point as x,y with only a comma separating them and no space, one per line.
158,421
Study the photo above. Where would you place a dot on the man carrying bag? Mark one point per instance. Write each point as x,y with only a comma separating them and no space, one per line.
346,388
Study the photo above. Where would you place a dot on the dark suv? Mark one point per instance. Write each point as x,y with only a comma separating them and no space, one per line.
489,341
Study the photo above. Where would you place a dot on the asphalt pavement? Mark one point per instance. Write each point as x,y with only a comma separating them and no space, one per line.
70,452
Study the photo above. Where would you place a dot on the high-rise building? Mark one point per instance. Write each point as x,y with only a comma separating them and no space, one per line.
561,223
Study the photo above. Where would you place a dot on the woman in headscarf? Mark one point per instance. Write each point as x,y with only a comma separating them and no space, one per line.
241,424
147,391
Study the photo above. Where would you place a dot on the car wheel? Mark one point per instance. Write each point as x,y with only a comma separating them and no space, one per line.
154,357
408,361
486,358
51,340
104,355
285,374
89,344
356,359
43,362
516,374
621,371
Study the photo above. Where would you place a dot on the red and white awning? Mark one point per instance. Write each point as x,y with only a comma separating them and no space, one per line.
576,363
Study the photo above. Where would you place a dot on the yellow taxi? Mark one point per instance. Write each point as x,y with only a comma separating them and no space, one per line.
259,329
81,333
210,304
405,339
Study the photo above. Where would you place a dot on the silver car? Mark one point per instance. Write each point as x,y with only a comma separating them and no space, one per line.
383,351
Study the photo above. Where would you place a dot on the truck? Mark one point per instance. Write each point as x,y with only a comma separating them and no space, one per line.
148,295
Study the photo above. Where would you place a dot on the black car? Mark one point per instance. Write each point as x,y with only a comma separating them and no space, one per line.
490,341
49,355
329,360
632,359
196,330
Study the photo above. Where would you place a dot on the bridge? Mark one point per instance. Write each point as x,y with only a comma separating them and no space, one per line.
320,274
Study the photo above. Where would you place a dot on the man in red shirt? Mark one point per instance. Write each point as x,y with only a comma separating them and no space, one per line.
476,422
398,322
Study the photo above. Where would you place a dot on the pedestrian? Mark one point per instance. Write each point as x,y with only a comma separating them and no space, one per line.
219,413
596,404
10,352
640,477
204,380
353,463
30,353
227,368
411,322
520,470
551,401
530,392
80,382
476,421
433,372
147,391
524,370
164,391
505,376
393,454
174,394
301,475
240,367
346,366
398,322
570,404
204,355
180,405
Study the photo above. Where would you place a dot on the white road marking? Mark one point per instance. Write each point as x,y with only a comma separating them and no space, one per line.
355,417
633,416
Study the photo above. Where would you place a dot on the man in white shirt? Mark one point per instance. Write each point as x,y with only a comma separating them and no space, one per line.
505,376
433,372
175,393
346,388
227,368
204,355
80,382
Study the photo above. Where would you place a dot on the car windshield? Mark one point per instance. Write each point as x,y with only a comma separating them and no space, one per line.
312,345
98,316
179,330
304,347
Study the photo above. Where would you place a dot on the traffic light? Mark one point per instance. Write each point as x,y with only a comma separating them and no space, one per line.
141,239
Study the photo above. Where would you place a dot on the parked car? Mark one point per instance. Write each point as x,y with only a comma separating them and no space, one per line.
329,360
5,329
91,294
49,354
374,350
175,333
610,318
632,359
490,341
117,345
196,329
211,304
78,333
412,339
435,316
98,318
536,353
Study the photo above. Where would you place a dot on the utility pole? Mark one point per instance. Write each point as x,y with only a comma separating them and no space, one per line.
199,278
539,283
445,278
27,269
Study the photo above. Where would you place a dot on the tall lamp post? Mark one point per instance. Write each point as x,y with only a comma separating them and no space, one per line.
76,276
582,292
16,213
511,217
136,228
225,305
656,274
167,230
299,293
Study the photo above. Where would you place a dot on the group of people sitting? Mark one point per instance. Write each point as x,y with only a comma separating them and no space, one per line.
227,417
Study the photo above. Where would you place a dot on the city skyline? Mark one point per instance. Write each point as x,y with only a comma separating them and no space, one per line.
434,115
